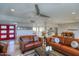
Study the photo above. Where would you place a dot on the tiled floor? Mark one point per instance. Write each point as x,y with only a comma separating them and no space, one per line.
18,52
13,50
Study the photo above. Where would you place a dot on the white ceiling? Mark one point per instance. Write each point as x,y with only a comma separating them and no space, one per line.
24,12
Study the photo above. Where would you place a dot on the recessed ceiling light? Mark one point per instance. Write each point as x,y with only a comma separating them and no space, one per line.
12,10
73,12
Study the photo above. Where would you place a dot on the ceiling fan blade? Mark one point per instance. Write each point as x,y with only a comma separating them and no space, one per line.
44,15
32,21
37,9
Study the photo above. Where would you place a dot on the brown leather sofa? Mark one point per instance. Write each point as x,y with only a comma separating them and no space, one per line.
64,46
3,49
28,42
66,40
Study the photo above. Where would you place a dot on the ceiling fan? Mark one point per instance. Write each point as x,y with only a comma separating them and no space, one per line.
38,11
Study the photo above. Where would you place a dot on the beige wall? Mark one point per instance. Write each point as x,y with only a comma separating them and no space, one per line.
66,27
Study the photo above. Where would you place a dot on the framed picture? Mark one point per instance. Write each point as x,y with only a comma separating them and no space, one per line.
3,31
7,31
3,27
3,36
11,27
11,35
11,31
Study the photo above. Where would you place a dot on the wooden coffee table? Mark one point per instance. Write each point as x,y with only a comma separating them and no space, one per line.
41,52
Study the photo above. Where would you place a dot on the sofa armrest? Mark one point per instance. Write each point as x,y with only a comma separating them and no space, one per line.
3,48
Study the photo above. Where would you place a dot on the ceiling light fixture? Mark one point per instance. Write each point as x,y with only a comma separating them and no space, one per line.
73,12
12,10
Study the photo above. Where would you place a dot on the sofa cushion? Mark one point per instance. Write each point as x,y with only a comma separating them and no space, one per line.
37,44
36,38
26,40
56,40
29,45
74,44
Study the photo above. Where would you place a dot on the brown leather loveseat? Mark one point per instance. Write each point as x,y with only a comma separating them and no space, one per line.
29,42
